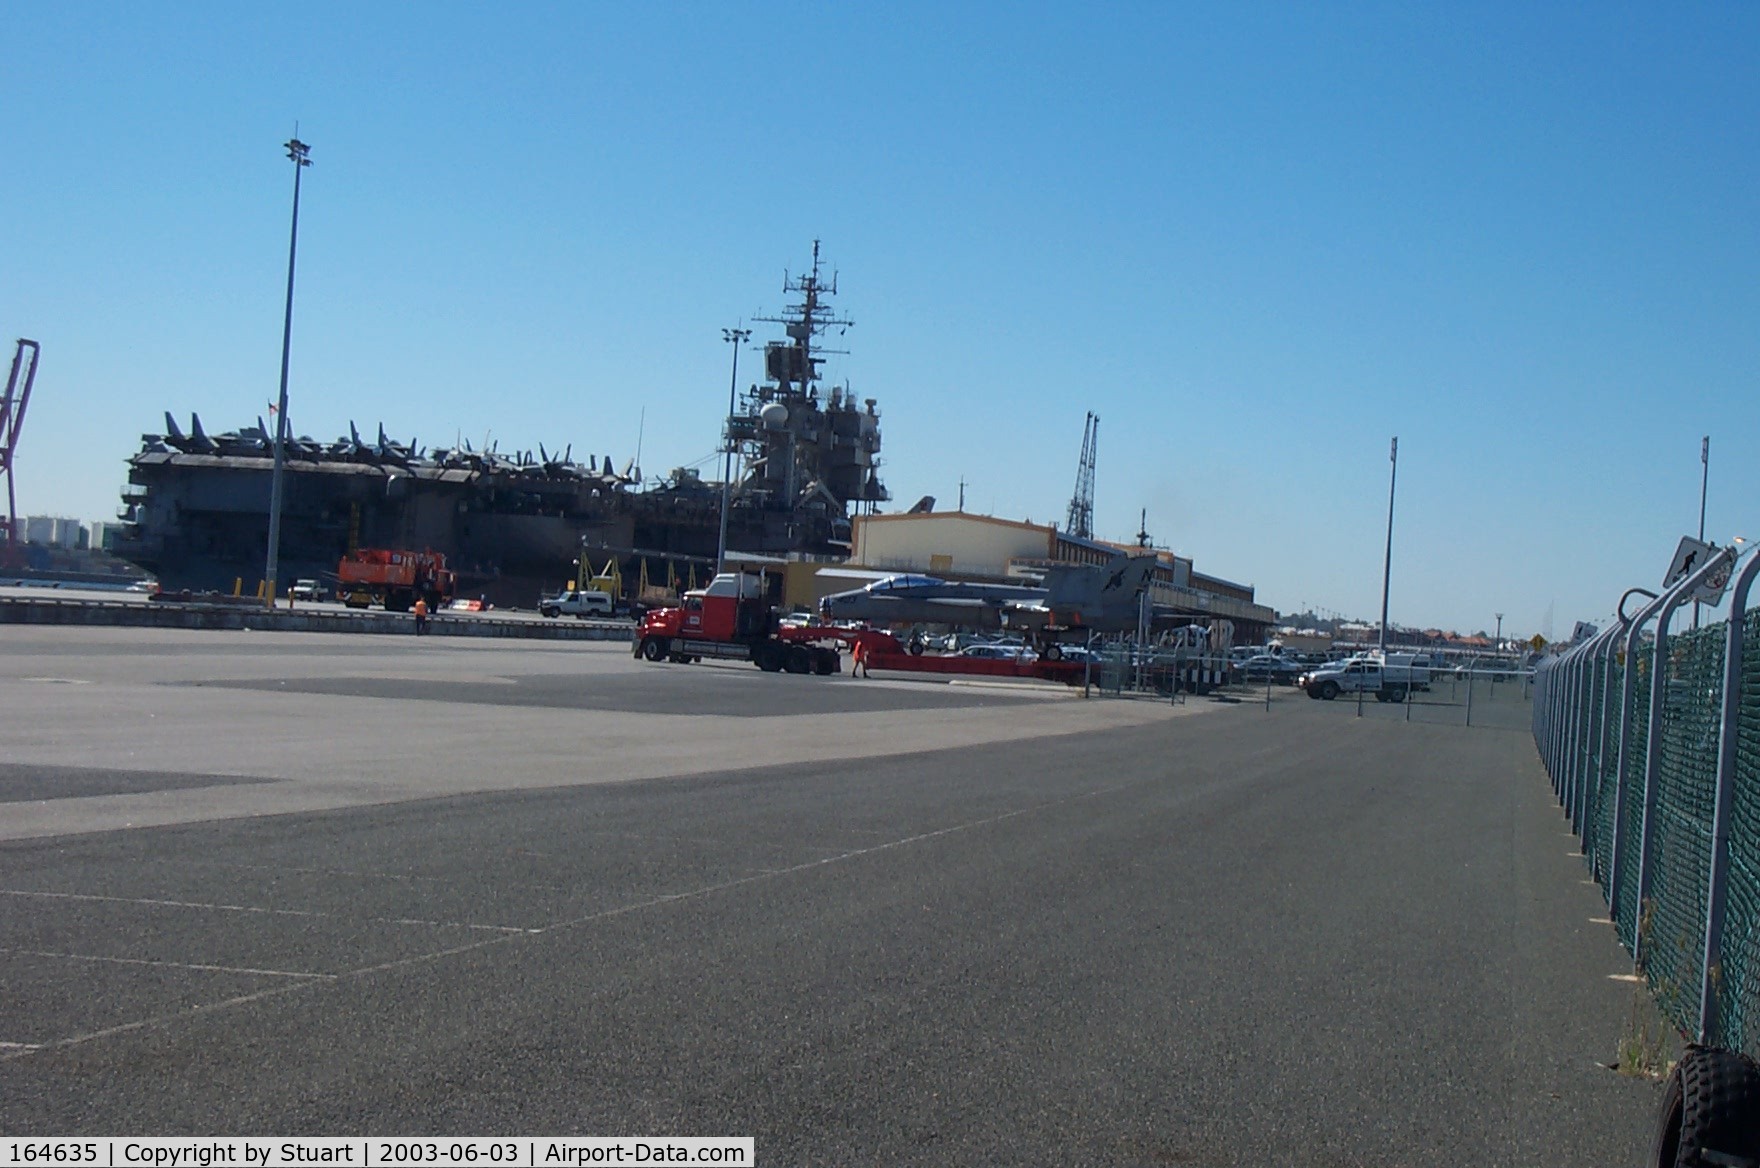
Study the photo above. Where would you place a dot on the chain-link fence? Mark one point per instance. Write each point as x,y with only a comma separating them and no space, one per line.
1652,739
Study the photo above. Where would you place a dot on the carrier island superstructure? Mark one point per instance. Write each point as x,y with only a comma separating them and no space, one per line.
806,456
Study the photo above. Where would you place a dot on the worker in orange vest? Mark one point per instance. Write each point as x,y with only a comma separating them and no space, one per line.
421,615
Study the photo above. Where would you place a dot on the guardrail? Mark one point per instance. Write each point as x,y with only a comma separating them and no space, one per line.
1652,741
217,615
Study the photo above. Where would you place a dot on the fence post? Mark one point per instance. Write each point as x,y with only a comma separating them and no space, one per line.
1573,723
1627,699
1676,596
1710,1019
1595,742
1470,672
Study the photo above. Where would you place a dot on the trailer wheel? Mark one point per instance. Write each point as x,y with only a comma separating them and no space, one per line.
653,648
797,659
768,657
825,662
1709,1106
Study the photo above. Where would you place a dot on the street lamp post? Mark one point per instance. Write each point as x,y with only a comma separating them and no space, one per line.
1387,562
298,152
1704,481
1499,632
735,337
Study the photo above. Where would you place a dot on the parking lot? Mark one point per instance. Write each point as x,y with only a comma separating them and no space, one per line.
453,887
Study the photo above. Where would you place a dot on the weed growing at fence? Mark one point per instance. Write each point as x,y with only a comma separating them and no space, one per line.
1646,1048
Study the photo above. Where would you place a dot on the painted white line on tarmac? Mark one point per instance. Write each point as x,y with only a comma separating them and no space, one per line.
248,908
169,964
512,934
406,877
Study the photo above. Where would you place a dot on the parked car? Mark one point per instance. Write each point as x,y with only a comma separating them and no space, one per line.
305,590
1494,668
994,652
1277,669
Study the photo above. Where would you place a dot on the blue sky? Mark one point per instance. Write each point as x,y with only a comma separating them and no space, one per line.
1258,240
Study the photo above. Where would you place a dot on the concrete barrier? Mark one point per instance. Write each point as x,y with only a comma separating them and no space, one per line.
203,615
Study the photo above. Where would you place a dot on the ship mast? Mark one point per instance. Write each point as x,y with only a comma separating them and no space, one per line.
794,364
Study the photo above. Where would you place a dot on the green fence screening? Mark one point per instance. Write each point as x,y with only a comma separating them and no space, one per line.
1738,981
1580,714
1686,787
1631,821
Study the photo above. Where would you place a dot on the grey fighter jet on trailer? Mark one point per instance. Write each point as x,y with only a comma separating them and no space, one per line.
912,599
1096,598
1086,596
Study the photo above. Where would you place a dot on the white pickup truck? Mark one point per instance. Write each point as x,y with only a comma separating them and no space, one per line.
576,603
1390,683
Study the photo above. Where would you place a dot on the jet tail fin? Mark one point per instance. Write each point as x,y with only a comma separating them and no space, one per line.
1098,591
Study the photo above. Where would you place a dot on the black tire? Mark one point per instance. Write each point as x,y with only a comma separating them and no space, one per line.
798,659
824,662
653,648
1329,690
1313,694
915,648
1381,695
1712,1103
1054,652
768,657
548,613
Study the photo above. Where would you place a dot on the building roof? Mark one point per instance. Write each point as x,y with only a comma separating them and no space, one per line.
972,515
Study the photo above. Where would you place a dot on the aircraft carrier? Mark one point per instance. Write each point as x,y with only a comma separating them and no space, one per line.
196,508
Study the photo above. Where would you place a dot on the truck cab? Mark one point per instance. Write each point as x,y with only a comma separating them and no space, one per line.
731,619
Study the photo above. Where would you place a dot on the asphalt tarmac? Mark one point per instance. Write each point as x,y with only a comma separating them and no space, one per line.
871,922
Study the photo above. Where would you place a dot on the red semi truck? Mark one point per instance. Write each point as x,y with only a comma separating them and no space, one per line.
732,619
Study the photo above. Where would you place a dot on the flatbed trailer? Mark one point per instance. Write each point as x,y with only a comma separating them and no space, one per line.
731,621
883,651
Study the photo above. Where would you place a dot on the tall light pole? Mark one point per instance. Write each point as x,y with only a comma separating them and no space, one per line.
1499,632
1387,563
297,152
1704,481
735,337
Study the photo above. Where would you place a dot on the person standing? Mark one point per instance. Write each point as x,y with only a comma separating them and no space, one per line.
421,615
